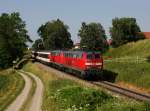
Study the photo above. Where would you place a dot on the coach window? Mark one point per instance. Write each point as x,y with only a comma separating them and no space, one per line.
44,55
77,55
68,54
71,55
80,56
53,53
74,55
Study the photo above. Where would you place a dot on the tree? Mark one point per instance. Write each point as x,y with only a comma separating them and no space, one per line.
125,30
55,35
13,38
93,37
38,45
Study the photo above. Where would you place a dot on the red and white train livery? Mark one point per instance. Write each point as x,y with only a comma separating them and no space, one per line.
86,64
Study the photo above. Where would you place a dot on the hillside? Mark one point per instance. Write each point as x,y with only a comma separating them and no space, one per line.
130,63
140,48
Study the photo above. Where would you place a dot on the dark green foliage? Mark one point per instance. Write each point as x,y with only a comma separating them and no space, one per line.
13,38
38,45
125,30
93,37
55,35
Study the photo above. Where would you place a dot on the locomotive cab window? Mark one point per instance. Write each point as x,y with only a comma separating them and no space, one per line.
97,56
89,56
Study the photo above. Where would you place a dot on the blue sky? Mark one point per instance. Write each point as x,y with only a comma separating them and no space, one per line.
74,12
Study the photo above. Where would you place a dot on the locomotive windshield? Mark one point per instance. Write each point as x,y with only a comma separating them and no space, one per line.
97,56
93,55
89,56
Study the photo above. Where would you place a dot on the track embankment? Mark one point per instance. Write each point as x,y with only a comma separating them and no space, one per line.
100,84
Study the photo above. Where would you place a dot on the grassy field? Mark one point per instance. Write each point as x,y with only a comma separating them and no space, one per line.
11,85
129,68
140,48
65,95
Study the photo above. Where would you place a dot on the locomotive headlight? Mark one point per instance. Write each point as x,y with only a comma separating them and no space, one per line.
98,64
88,63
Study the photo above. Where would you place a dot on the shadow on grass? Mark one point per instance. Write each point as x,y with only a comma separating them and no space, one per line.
148,59
109,76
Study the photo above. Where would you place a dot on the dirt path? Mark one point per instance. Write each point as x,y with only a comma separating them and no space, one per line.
17,104
37,97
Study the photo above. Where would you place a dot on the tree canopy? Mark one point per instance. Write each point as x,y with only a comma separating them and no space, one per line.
125,30
55,35
38,45
13,38
93,37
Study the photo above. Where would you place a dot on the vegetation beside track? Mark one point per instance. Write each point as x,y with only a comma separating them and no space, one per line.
65,95
11,84
130,69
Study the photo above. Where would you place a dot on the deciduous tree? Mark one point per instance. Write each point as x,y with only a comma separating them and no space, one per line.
125,30
93,37
55,35
38,45
13,38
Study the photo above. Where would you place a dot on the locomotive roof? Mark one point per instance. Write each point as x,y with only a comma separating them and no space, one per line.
67,51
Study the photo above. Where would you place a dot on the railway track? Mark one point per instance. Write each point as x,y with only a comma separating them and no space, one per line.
123,91
106,85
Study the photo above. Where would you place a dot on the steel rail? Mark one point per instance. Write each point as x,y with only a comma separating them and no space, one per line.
109,86
123,91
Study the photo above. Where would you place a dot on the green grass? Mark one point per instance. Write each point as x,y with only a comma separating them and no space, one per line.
130,70
66,95
140,48
136,74
11,84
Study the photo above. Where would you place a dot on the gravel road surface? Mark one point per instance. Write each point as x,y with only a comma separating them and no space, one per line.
37,97
17,104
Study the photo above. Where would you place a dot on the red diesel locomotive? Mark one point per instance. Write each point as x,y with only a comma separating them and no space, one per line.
86,64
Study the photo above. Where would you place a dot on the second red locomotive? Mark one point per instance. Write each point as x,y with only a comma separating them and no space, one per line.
86,64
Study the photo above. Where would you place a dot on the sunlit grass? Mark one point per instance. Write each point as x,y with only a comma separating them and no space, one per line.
140,48
11,85
129,68
66,95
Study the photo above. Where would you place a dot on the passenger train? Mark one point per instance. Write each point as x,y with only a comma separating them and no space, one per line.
85,64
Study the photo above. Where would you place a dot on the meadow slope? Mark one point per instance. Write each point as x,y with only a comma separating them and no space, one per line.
130,63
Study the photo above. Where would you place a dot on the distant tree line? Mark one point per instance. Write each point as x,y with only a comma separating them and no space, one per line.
54,35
